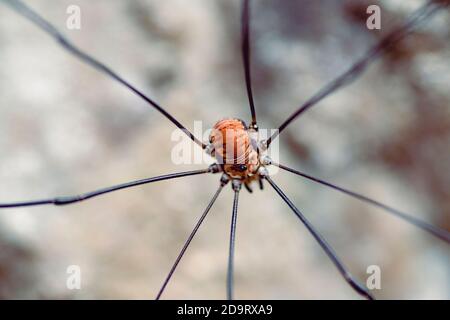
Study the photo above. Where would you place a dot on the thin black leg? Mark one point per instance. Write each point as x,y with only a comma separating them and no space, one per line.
435,231
245,34
47,27
59,201
357,69
230,273
223,182
359,288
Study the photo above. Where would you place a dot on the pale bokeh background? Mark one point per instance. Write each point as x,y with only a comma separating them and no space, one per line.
65,129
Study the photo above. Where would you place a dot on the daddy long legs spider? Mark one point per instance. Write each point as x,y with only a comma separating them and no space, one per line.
424,13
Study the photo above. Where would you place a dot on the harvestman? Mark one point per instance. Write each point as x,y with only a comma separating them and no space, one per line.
248,161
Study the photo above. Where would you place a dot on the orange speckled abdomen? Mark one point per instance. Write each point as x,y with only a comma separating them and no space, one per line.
233,148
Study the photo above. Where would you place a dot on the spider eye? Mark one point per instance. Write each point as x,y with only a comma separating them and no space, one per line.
240,167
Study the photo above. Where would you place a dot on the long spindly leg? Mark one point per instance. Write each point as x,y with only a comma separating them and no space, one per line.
437,232
421,14
230,272
245,47
58,201
223,181
47,27
359,288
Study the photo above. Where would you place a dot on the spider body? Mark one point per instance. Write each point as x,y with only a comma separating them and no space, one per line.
235,149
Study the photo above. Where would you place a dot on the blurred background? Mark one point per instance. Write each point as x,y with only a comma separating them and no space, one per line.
66,128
